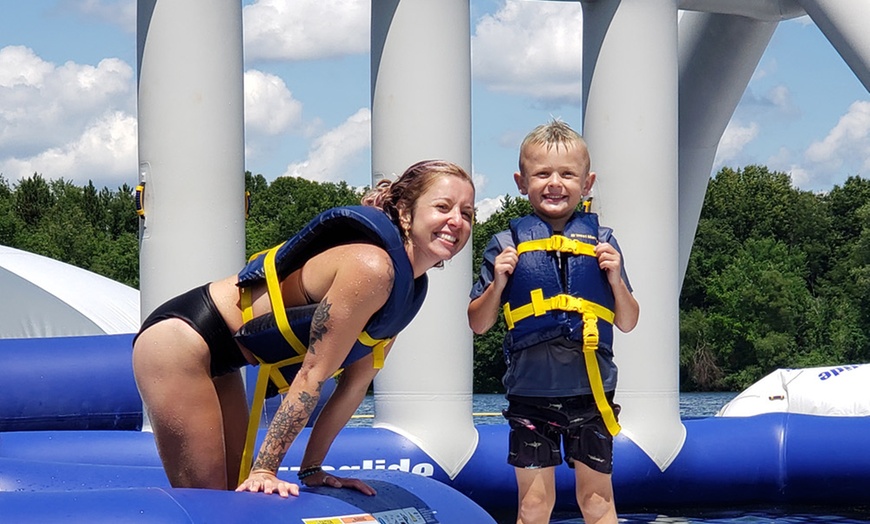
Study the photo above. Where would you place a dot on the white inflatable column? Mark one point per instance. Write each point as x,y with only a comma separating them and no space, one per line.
191,145
847,26
421,109
717,56
630,123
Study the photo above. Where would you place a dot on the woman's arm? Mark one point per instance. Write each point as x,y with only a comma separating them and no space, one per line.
353,384
357,280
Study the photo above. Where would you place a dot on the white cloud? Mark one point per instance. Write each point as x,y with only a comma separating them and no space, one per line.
486,207
531,48
734,139
105,152
121,13
847,143
334,151
52,118
306,29
270,108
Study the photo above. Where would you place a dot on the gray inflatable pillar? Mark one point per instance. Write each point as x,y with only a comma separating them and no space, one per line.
421,109
717,56
630,123
847,26
191,145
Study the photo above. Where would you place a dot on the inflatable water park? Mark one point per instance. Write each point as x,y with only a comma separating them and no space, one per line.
74,444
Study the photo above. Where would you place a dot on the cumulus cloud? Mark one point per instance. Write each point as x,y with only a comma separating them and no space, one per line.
486,207
53,117
105,153
333,152
270,108
734,139
847,142
531,48
306,29
121,13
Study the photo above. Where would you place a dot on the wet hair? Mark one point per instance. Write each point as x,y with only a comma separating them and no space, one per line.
554,133
393,196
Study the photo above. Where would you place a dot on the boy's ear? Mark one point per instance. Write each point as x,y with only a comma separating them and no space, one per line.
521,183
590,179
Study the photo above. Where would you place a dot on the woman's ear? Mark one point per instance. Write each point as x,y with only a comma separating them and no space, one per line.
405,221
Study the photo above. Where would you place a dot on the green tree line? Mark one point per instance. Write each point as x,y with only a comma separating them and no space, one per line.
778,277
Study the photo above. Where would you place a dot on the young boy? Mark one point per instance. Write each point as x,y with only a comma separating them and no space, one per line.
560,280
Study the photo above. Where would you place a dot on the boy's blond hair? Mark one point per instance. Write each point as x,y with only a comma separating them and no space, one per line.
554,133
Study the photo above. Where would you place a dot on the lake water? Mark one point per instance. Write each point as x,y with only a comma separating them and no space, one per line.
487,410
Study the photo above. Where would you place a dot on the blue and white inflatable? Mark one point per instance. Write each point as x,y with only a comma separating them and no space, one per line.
70,446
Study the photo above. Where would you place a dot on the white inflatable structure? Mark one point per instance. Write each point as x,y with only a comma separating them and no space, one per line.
840,391
43,297
657,97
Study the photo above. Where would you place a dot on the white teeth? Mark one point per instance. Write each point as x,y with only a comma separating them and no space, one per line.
444,236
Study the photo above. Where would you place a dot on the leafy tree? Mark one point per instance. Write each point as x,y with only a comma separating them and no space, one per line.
32,199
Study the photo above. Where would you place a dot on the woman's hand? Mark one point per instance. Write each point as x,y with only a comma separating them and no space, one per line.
266,481
324,478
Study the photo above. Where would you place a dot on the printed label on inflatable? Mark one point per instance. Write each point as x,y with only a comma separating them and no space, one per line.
404,516
348,519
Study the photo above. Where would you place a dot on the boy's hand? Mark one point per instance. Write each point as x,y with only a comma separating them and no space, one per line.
504,266
610,262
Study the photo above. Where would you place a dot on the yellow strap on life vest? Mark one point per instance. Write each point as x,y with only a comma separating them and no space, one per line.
557,243
378,346
562,302
591,312
590,346
274,287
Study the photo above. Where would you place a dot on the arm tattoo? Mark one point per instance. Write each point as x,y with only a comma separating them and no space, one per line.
284,428
318,324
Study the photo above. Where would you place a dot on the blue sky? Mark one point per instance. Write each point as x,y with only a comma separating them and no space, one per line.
68,93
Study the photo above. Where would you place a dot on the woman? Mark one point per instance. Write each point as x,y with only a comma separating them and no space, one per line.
186,360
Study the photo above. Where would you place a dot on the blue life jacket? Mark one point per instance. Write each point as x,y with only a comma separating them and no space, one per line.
540,301
545,299
271,344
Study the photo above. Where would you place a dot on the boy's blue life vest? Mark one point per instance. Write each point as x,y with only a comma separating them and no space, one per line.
546,299
281,337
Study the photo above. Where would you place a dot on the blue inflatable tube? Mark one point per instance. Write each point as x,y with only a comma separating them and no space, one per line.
86,382
69,383
400,498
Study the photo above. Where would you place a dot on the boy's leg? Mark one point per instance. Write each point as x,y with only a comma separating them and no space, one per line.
594,495
537,495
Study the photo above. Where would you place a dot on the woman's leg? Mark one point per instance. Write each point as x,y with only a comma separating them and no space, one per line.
234,405
171,366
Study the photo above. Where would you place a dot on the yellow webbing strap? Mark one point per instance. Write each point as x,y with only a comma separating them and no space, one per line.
590,346
378,345
278,303
540,305
557,243
591,312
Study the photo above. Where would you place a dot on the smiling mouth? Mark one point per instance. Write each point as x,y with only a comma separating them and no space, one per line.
447,237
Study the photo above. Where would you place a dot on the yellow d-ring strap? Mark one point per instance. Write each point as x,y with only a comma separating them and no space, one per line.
277,300
557,243
590,346
378,346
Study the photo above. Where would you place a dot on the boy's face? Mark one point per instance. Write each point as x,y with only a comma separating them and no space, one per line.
555,180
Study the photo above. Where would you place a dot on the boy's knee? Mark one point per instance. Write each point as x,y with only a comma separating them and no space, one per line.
535,508
595,506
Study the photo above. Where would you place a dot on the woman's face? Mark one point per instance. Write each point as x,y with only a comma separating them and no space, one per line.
440,223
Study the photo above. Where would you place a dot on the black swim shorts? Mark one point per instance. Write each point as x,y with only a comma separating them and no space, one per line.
540,425
199,311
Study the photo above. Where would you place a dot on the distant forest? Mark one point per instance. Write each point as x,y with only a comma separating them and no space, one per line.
778,277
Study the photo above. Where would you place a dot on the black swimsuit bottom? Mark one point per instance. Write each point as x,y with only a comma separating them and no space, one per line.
199,311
